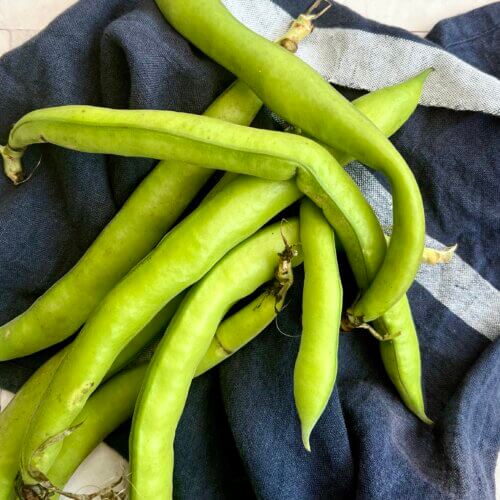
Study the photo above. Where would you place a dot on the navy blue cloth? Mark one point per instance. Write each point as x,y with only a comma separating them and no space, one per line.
239,436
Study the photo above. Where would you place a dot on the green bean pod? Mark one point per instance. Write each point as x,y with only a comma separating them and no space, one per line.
160,200
14,420
184,256
110,406
316,365
389,108
401,356
301,96
212,143
165,389
242,327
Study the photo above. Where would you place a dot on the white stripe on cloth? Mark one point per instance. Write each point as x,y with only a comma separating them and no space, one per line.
456,285
364,60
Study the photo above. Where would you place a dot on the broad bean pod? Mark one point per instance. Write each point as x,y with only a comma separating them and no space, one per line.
211,143
113,402
239,329
150,211
14,420
110,406
165,389
301,96
400,354
183,257
389,108
316,364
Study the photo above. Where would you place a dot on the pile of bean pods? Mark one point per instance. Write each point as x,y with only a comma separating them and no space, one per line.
150,273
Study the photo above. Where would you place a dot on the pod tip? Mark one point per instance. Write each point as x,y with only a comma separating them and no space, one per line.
426,72
306,435
424,418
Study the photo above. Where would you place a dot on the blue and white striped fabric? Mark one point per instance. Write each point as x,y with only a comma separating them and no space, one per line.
239,436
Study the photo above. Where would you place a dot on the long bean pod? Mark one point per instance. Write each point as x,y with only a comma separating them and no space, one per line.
14,420
187,339
212,143
110,406
301,96
316,365
185,255
240,328
150,211
401,353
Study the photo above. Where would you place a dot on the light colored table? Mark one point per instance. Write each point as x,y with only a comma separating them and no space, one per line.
21,19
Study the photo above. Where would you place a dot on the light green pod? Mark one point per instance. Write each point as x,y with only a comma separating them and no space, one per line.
14,420
165,389
208,142
301,96
150,211
183,257
244,325
109,407
401,356
316,365
239,329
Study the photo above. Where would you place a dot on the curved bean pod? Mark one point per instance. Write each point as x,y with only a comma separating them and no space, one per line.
301,96
401,356
160,199
389,108
316,364
187,339
184,256
212,143
239,329
14,420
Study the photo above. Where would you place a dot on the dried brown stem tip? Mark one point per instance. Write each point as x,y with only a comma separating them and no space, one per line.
302,26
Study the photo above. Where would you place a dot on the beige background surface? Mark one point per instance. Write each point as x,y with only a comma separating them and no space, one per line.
21,19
